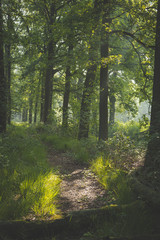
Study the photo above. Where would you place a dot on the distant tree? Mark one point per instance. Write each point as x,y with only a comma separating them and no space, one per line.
3,85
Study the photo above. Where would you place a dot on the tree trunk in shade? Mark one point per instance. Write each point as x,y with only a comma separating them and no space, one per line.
103,105
90,76
153,152
3,85
67,89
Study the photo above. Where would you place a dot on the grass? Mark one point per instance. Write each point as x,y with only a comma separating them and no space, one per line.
27,184
73,147
114,180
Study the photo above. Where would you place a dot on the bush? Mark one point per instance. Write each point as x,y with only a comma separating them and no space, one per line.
121,149
114,180
130,128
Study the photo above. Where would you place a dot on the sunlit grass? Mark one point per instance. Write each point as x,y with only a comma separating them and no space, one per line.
40,195
114,180
27,184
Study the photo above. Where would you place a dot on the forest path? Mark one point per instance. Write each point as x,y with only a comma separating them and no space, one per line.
80,188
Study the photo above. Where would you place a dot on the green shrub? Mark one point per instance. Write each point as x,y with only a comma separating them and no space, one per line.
121,149
130,128
114,180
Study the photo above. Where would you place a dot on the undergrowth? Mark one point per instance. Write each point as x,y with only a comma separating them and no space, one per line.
114,180
28,187
110,160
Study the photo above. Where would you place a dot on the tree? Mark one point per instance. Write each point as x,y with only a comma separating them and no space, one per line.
90,75
3,85
103,104
152,160
67,88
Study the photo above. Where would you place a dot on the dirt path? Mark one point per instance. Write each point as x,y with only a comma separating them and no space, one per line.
79,187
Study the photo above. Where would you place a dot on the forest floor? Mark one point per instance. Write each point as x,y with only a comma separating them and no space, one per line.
79,188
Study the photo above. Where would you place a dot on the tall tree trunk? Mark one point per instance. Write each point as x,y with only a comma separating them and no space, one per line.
67,89
8,66
153,152
86,102
36,102
8,78
24,114
3,85
48,83
30,108
49,68
90,77
42,99
112,100
103,104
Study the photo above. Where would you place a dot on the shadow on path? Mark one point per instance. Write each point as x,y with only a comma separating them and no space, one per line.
80,188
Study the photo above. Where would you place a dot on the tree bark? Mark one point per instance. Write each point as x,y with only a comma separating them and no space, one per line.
86,102
153,152
112,100
36,102
67,89
103,105
48,84
8,67
30,108
42,99
24,114
49,68
90,78
3,85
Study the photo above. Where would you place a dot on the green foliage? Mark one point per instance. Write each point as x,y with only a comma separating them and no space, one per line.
144,123
114,180
130,128
27,185
75,148
120,149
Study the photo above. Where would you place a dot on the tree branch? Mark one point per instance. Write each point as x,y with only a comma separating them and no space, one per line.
133,37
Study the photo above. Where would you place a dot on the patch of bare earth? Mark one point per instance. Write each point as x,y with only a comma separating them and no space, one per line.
79,187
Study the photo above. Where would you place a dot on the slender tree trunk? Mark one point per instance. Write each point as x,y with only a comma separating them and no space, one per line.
112,100
8,66
8,78
48,84
86,102
49,68
42,99
67,89
24,114
3,85
103,104
36,102
90,77
30,108
153,152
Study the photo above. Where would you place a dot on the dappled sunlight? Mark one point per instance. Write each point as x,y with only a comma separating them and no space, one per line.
41,194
